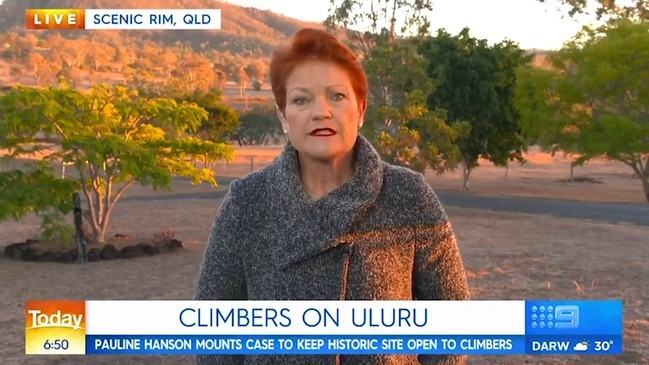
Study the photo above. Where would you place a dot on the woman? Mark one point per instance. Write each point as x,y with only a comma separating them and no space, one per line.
328,220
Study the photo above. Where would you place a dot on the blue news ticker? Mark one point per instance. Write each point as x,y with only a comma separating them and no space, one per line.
574,317
330,344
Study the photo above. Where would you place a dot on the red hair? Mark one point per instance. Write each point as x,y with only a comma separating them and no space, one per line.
313,44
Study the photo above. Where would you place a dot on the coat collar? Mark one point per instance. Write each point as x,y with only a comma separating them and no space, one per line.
307,228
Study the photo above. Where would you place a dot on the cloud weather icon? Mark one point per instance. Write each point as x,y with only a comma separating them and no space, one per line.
581,346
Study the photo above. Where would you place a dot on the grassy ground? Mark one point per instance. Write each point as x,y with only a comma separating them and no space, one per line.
508,256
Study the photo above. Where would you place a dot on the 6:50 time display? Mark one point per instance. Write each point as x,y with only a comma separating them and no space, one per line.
59,344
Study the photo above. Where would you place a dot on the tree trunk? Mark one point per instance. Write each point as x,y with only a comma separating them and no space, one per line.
466,172
572,172
98,229
100,236
645,186
506,170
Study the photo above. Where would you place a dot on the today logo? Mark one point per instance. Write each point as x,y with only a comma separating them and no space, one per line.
58,314
58,319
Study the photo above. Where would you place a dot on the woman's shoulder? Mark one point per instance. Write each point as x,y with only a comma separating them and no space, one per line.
405,180
248,189
408,192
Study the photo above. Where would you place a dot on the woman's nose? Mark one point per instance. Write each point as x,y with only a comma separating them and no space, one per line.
321,109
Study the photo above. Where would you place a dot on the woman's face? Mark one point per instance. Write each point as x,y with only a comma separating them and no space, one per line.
322,114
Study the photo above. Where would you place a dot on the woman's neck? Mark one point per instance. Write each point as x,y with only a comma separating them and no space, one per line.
322,177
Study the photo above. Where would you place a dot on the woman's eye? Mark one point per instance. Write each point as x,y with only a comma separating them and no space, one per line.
338,96
299,100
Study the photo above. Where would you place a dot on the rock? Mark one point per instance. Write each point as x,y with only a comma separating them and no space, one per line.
149,249
10,250
68,256
169,245
109,252
30,251
47,256
131,252
21,251
94,254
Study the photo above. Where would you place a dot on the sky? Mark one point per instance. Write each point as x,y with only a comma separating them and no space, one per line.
528,22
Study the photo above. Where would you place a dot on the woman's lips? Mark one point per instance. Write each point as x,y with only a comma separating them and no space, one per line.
322,132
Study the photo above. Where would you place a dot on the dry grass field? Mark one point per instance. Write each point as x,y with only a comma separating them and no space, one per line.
508,256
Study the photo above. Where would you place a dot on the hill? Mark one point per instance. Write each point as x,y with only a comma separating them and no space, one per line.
233,59
245,31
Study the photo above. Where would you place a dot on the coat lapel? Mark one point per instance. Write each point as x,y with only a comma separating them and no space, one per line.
306,228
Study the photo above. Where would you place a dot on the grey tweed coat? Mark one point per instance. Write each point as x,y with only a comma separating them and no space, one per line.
381,236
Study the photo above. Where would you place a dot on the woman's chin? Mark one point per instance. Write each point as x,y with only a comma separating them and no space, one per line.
323,153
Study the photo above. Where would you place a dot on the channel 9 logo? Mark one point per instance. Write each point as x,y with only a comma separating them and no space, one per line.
55,327
559,317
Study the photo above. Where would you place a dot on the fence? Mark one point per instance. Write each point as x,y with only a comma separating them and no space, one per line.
241,165
252,159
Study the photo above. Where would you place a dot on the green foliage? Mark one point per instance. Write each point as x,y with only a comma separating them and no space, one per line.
222,121
404,130
114,138
475,84
398,121
395,70
595,101
55,229
406,147
33,189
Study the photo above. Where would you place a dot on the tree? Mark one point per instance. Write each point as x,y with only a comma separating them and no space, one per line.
100,54
113,137
542,121
595,100
475,83
35,189
41,68
404,130
257,125
196,73
257,69
423,140
612,9
222,121
243,79
383,19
